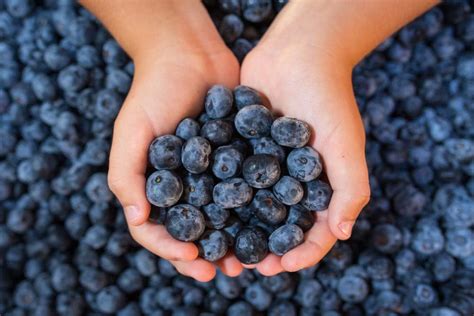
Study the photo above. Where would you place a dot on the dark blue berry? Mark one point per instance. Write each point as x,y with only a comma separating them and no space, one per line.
163,188
185,222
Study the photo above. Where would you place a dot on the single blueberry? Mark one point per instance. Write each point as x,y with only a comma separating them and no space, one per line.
230,28
213,245
267,208
261,171
226,162
290,132
188,128
285,238
300,216
185,222
218,132
195,154
258,296
230,193
352,289
197,189
218,103
245,96
165,152
253,121
304,164
317,195
163,188
233,226
256,11
288,190
250,245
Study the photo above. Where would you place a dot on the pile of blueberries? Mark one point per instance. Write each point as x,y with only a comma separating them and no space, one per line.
64,244
213,171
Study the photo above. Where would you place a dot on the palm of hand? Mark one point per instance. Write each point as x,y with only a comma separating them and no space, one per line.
162,94
320,93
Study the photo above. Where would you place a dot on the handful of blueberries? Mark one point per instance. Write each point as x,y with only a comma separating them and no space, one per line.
237,178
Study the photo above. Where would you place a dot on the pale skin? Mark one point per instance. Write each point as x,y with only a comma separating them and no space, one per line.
302,65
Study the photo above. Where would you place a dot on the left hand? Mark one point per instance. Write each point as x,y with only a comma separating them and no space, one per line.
311,84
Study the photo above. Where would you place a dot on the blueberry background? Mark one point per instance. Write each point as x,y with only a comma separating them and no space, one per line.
64,246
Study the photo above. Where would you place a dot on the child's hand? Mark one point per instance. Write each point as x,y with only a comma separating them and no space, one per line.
317,89
303,65
178,56
162,94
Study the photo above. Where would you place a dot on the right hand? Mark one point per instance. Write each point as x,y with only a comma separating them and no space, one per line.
166,88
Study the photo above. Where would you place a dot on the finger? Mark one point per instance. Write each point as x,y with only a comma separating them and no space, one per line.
199,269
230,266
128,161
156,239
271,265
348,175
319,240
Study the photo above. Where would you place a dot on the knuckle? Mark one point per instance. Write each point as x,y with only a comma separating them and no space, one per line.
114,182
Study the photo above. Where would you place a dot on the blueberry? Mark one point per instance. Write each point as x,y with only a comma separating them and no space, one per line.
92,279
218,132
241,47
308,292
245,96
256,10
261,171
459,242
195,154
72,78
282,308
157,215
110,300
215,216
352,289
145,262
230,6
185,222
218,102
301,217
228,287
88,57
163,188
317,195
267,208
290,132
63,278
250,245
304,164
288,190
443,267
423,295
253,121
240,308
197,189
230,193
19,8
107,104
130,281
212,245
231,28
226,162
188,128
387,238
258,296
112,53
285,238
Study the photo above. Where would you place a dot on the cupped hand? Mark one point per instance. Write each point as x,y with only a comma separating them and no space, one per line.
312,84
166,88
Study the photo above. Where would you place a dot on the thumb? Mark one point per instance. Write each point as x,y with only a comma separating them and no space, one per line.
128,162
348,175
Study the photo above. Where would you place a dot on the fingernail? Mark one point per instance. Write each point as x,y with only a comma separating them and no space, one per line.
346,228
132,213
